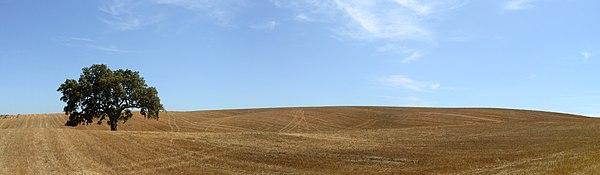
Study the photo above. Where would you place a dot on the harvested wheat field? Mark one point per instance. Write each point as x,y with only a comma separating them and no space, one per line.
319,140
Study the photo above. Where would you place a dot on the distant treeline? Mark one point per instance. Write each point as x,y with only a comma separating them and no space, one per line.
3,116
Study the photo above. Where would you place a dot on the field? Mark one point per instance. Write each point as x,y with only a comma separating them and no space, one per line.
319,140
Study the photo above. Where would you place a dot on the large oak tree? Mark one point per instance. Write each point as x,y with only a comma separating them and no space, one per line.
101,93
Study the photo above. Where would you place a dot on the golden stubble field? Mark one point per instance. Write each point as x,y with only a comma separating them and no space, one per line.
319,140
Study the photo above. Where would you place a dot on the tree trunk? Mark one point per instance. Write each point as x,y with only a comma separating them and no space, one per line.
114,119
113,126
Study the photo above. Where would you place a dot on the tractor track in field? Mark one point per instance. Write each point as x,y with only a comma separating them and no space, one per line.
298,120
332,140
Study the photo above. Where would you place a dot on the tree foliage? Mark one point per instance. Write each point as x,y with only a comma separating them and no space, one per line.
101,93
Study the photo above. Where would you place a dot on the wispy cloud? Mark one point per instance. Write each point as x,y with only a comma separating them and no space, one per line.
384,22
134,15
78,39
518,4
586,54
221,11
415,6
367,20
410,55
414,56
268,25
405,82
382,19
304,18
88,44
122,15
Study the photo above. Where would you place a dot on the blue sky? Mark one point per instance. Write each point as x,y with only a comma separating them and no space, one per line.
212,54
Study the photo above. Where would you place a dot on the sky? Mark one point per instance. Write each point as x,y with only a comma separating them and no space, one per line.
215,54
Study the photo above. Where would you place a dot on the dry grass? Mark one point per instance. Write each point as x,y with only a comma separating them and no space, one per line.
325,140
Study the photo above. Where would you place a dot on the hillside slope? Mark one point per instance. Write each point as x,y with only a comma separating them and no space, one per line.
315,140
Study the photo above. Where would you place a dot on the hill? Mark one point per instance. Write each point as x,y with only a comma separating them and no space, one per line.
311,140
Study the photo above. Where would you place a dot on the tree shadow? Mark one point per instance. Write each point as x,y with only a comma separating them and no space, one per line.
73,120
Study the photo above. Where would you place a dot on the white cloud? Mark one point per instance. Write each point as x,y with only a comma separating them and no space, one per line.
79,39
435,86
385,21
414,56
388,20
400,23
304,18
88,44
518,4
402,81
121,15
410,54
221,11
106,48
310,8
585,54
133,15
415,6
269,25
115,8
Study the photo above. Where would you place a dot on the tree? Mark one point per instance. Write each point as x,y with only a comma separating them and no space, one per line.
105,94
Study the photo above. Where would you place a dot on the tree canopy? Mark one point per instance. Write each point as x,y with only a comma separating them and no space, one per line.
101,93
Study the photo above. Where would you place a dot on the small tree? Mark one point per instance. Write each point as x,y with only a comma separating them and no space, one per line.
102,93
